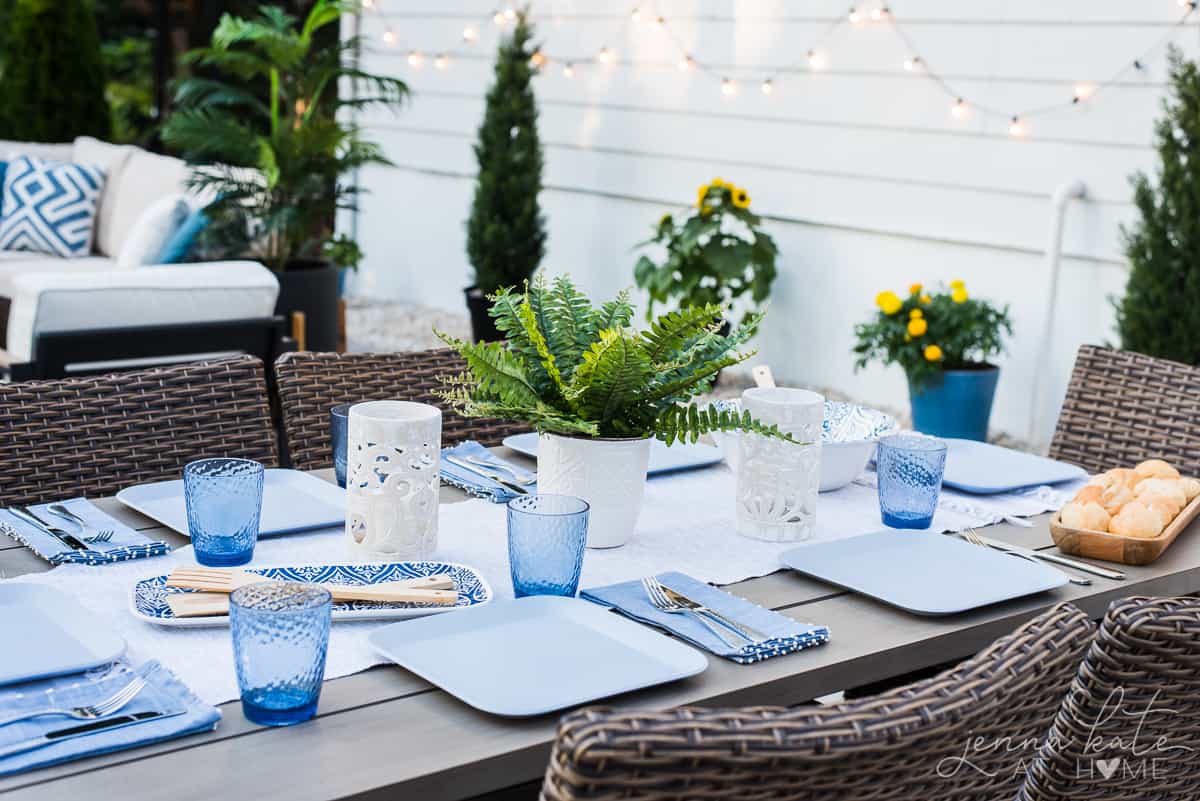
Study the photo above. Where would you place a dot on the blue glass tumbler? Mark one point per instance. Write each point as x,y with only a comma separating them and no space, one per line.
909,470
546,539
339,422
224,501
280,636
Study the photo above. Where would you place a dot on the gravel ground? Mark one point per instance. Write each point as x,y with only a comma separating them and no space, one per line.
373,325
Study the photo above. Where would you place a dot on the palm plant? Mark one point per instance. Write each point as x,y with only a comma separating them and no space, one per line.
569,368
265,132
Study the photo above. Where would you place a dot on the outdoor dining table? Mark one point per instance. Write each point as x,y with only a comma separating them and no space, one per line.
387,734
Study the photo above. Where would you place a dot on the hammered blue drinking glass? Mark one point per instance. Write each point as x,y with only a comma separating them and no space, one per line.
546,538
224,501
280,636
339,423
909,471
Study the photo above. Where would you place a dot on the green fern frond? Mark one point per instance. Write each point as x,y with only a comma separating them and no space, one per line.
498,374
684,423
670,334
614,374
570,313
530,322
616,313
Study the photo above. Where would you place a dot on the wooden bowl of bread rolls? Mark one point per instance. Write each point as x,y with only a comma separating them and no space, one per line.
1127,515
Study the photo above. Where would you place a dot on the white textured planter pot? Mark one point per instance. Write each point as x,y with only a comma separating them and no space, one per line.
610,474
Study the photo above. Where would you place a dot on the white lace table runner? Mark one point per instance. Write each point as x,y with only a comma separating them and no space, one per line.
687,524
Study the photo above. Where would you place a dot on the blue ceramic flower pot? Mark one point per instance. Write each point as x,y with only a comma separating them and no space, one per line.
957,404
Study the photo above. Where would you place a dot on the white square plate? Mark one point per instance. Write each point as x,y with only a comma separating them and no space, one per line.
536,655
47,633
985,469
292,501
663,458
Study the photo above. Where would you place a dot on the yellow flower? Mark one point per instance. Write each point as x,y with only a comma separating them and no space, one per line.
907,338
957,283
926,300
705,211
702,193
717,182
917,327
915,289
916,314
741,198
663,220
958,295
888,302
933,353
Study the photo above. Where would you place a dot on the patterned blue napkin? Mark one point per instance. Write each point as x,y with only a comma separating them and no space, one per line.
125,544
787,635
163,693
474,483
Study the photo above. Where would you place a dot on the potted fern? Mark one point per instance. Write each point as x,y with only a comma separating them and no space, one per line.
599,391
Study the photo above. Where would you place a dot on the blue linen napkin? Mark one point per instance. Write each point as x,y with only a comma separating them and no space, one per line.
787,635
163,693
474,483
125,544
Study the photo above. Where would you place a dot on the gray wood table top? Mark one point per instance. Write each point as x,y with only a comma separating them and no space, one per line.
385,733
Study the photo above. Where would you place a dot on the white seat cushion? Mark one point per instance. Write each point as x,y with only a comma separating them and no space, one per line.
15,262
112,159
144,178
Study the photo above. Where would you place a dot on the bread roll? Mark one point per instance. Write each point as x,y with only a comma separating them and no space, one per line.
1136,520
1156,468
1168,487
1165,507
1116,497
1092,493
1087,515
1190,487
1124,475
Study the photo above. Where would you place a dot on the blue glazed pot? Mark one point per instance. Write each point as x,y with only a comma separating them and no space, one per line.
958,404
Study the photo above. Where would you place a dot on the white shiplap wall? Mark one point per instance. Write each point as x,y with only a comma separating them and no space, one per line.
867,179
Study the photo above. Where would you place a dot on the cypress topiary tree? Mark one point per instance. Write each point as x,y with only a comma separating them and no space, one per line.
1160,312
52,84
506,236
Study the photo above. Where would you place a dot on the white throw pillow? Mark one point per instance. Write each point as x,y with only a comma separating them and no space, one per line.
143,179
112,158
152,230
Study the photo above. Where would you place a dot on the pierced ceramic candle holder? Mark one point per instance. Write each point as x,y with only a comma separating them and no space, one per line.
777,480
392,479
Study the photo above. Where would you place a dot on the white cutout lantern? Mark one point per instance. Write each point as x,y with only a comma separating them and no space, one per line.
392,463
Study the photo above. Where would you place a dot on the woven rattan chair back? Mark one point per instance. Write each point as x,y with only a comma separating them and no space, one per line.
1124,407
309,384
95,435
1129,727
960,735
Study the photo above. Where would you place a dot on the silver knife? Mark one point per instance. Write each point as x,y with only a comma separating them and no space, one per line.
479,471
83,730
69,540
1083,567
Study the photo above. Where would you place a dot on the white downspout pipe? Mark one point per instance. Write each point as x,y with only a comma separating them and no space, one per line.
1065,191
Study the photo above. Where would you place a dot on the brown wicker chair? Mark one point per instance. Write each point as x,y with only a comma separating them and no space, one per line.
309,384
904,744
95,435
1139,682
1124,407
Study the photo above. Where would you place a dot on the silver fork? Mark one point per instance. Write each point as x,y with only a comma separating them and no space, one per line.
749,632
654,591
972,536
63,511
99,710
521,477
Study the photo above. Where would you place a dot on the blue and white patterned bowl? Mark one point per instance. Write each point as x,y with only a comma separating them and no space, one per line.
848,436
149,598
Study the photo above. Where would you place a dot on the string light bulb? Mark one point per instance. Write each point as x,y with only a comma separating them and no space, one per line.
1082,92
498,18
368,4
816,60
537,60
510,14
636,15
389,37
605,56
440,61
1016,127
767,86
854,16
959,109
415,59
568,70
686,64
659,22
470,35
912,64
728,87
881,13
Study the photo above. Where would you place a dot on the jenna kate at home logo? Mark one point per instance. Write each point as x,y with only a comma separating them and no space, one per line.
1124,743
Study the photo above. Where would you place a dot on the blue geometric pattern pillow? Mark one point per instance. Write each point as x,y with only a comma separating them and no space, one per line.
49,206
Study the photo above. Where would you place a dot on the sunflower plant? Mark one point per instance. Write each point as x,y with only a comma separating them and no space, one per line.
714,254
928,332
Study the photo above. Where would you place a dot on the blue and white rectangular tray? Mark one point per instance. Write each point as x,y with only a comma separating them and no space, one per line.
923,572
663,458
293,501
148,600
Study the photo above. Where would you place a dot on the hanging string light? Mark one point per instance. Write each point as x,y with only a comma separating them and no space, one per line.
728,87
537,60
605,56
686,64
510,14
415,59
389,37
568,70
912,64
854,16
816,60
1082,92
470,35
881,13
767,87
636,15
1016,127
659,22
959,109
441,62
498,18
